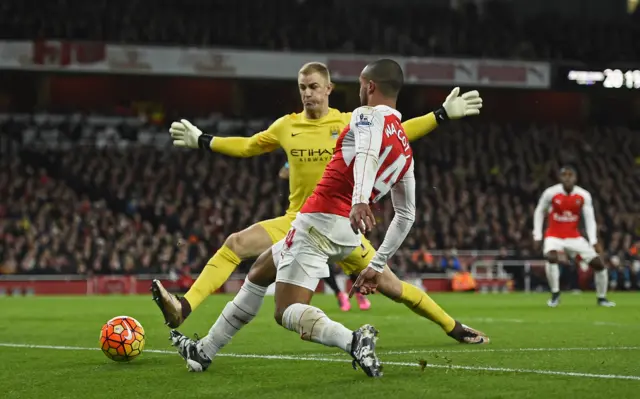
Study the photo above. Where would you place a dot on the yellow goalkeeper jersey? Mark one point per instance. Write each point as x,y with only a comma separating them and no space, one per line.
309,145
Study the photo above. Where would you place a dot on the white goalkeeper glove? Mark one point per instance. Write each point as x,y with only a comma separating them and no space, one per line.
456,106
186,135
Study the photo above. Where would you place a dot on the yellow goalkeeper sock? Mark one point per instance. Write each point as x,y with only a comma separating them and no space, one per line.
214,274
420,303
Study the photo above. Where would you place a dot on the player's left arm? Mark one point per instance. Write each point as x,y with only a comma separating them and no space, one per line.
455,106
590,219
403,198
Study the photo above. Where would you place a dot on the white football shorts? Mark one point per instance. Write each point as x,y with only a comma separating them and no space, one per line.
302,257
571,247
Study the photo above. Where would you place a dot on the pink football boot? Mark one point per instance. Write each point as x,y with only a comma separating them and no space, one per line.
343,302
363,302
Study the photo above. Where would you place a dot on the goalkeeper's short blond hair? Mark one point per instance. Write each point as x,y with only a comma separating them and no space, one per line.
317,67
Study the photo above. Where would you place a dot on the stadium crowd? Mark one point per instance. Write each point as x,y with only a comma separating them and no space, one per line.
88,204
418,29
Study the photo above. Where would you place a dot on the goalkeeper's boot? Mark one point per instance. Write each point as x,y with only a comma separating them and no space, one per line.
169,304
467,335
196,360
363,351
606,303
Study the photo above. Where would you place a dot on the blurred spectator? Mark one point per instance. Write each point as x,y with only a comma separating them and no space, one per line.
450,262
126,206
619,274
463,281
422,261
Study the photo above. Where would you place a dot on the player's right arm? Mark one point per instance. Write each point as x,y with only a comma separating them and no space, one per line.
185,134
540,212
367,125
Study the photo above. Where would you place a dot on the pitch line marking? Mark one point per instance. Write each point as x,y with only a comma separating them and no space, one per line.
334,360
492,350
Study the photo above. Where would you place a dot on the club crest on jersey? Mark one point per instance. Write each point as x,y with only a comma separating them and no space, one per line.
578,202
363,121
334,132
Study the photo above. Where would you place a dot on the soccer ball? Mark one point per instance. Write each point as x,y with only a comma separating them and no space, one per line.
122,338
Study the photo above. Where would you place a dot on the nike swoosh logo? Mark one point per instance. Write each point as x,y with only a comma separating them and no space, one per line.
130,335
296,134
364,255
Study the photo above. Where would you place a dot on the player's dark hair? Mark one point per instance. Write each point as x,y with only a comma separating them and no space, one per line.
387,75
568,168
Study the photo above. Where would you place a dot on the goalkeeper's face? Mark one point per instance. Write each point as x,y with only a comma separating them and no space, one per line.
314,91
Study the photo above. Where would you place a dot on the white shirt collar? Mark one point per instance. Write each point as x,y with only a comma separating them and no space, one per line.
388,110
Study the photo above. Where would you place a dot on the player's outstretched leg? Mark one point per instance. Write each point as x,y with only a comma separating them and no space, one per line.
553,277
313,325
420,303
235,315
343,298
412,297
238,246
363,302
601,280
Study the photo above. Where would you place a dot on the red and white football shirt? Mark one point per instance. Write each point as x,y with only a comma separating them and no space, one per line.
564,212
372,158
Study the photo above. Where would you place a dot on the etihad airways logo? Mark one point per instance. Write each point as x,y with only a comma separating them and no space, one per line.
305,155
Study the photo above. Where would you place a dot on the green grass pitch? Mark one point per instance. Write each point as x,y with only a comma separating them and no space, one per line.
49,348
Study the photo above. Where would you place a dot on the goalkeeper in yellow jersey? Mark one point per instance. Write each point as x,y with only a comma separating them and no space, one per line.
308,138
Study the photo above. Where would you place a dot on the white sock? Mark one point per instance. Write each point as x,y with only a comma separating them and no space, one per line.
601,279
234,316
553,276
313,325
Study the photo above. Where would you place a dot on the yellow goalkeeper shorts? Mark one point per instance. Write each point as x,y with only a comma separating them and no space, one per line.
277,228
359,259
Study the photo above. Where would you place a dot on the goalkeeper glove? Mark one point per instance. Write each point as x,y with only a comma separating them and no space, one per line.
456,107
186,135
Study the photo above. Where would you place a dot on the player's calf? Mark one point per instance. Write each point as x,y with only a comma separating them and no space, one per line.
552,270
601,280
313,325
244,306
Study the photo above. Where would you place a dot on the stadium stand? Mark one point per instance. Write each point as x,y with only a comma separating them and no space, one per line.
495,30
107,199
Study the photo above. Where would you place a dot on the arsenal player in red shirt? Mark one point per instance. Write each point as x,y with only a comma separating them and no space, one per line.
565,204
372,158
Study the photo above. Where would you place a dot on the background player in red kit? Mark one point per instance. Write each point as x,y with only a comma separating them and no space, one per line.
564,203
